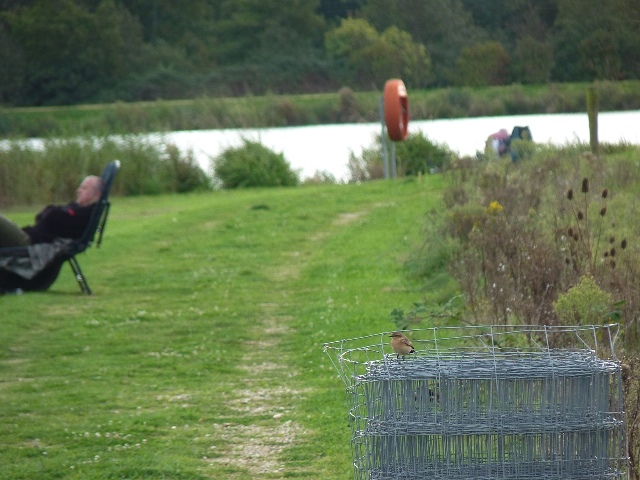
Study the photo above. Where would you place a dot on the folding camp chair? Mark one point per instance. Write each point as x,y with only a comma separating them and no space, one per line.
49,258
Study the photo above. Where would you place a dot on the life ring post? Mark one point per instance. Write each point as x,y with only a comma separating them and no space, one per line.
396,109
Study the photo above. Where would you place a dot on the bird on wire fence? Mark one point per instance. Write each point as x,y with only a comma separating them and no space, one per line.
401,345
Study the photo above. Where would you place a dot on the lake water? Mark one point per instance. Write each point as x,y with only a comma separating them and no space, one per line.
327,147
314,148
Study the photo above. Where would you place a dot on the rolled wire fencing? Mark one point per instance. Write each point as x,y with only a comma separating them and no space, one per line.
494,402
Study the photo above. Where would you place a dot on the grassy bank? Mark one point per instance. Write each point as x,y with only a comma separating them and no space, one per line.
200,354
286,110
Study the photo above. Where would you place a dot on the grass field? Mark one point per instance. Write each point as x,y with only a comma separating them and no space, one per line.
200,355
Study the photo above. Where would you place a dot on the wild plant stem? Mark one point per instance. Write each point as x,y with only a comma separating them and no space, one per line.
587,232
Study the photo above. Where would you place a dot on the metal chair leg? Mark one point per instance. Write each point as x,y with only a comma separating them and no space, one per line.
84,286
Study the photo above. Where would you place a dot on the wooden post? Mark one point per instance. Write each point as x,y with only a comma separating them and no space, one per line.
592,111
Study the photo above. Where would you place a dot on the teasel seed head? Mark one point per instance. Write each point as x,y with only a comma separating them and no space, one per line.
570,232
612,252
623,243
606,254
605,193
585,185
613,263
575,236
612,239
570,194
580,215
603,211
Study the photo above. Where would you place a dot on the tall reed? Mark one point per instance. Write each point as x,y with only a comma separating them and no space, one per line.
51,170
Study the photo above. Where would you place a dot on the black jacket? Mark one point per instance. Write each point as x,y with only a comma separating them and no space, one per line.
59,221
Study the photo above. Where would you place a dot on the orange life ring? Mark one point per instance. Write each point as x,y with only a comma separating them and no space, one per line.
396,109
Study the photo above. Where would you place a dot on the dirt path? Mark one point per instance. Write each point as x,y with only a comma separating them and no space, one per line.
263,394
267,392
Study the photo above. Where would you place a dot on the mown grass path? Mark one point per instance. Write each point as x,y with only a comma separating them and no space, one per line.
200,354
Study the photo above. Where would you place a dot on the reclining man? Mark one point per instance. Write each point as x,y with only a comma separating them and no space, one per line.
55,221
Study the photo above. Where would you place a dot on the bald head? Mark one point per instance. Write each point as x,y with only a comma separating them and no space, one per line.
89,191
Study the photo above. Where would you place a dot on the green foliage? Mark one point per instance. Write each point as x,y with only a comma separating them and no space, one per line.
78,51
586,45
69,52
483,64
450,28
352,44
350,109
532,60
399,56
253,165
522,149
254,28
583,304
320,177
369,55
418,155
187,174
368,166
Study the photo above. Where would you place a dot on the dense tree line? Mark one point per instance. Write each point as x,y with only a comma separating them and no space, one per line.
56,52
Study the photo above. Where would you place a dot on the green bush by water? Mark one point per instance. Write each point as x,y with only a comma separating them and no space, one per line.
253,165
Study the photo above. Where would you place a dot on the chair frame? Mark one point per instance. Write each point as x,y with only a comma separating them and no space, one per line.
97,224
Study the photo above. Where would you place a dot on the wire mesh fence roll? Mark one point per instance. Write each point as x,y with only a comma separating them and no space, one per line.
486,402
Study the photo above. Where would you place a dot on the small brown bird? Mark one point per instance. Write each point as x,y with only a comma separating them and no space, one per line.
401,345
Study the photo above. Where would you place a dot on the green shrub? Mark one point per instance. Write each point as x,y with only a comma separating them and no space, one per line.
484,63
414,156
417,154
253,165
349,108
320,177
368,166
586,304
187,175
153,167
522,149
